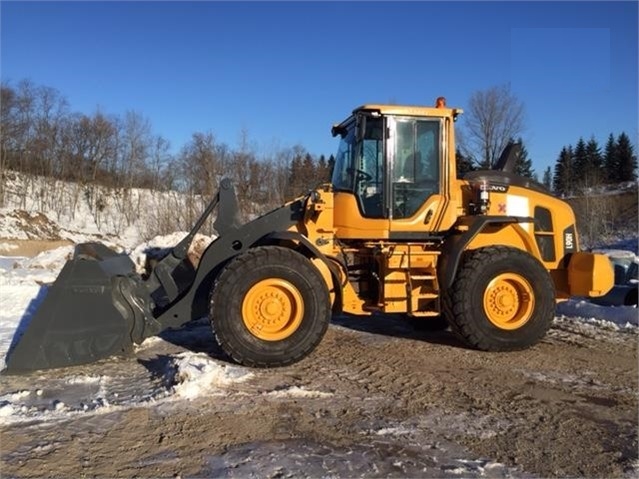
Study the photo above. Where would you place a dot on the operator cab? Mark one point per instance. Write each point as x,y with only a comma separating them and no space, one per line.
388,164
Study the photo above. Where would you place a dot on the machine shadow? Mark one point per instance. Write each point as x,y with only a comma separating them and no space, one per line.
398,326
196,336
26,318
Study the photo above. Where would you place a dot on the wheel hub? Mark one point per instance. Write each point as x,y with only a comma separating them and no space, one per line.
509,301
272,309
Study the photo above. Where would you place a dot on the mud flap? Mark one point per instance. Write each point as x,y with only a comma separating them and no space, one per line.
84,317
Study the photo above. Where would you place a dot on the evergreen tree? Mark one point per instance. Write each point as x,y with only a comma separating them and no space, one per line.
547,181
563,180
580,159
610,160
295,178
591,175
523,165
626,159
309,174
323,175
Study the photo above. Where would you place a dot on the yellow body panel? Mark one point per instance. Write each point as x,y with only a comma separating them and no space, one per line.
522,202
514,235
427,218
349,223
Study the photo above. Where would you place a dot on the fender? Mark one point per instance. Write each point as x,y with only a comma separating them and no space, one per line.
305,242
455,245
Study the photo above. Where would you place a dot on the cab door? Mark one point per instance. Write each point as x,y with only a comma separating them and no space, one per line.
415,148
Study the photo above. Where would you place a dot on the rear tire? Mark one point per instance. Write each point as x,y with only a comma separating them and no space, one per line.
270,307
502,299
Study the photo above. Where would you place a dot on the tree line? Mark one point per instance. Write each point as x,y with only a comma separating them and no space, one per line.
41,136
495,117
577,169
585,166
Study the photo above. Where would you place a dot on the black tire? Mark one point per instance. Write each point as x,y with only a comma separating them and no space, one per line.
262,278
502,299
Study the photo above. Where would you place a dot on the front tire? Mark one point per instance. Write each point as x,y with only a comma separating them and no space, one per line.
502,299
270,307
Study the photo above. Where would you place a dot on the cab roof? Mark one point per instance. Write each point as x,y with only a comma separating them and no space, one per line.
408,110
399,110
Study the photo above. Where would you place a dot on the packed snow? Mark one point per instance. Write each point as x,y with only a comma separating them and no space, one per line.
188,375
197,374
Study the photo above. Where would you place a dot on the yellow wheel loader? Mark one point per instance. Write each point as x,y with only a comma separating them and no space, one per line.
396,231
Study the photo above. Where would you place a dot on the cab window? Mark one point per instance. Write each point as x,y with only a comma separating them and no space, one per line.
415,174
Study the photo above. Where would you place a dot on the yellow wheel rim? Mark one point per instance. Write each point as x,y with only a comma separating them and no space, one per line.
272,309
509,301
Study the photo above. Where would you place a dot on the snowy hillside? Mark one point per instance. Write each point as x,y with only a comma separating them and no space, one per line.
36,207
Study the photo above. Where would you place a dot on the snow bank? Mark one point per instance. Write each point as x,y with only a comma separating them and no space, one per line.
197,374
616,317
159,246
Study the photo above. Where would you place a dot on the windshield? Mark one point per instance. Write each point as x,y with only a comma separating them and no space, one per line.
342,177
359,165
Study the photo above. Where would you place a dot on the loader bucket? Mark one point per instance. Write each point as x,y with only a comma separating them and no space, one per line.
85,316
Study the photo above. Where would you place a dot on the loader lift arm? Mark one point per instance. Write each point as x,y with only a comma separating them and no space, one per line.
166,273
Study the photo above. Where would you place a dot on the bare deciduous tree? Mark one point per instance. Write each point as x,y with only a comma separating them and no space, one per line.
493,118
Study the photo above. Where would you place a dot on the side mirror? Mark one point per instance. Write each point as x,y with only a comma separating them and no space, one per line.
338,130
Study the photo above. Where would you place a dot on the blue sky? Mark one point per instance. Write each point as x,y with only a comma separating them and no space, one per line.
285,72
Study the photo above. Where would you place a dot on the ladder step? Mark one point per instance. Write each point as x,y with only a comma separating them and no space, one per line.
422,276
425,295
425,313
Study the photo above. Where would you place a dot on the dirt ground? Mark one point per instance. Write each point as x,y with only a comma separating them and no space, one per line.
28,248
390,401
